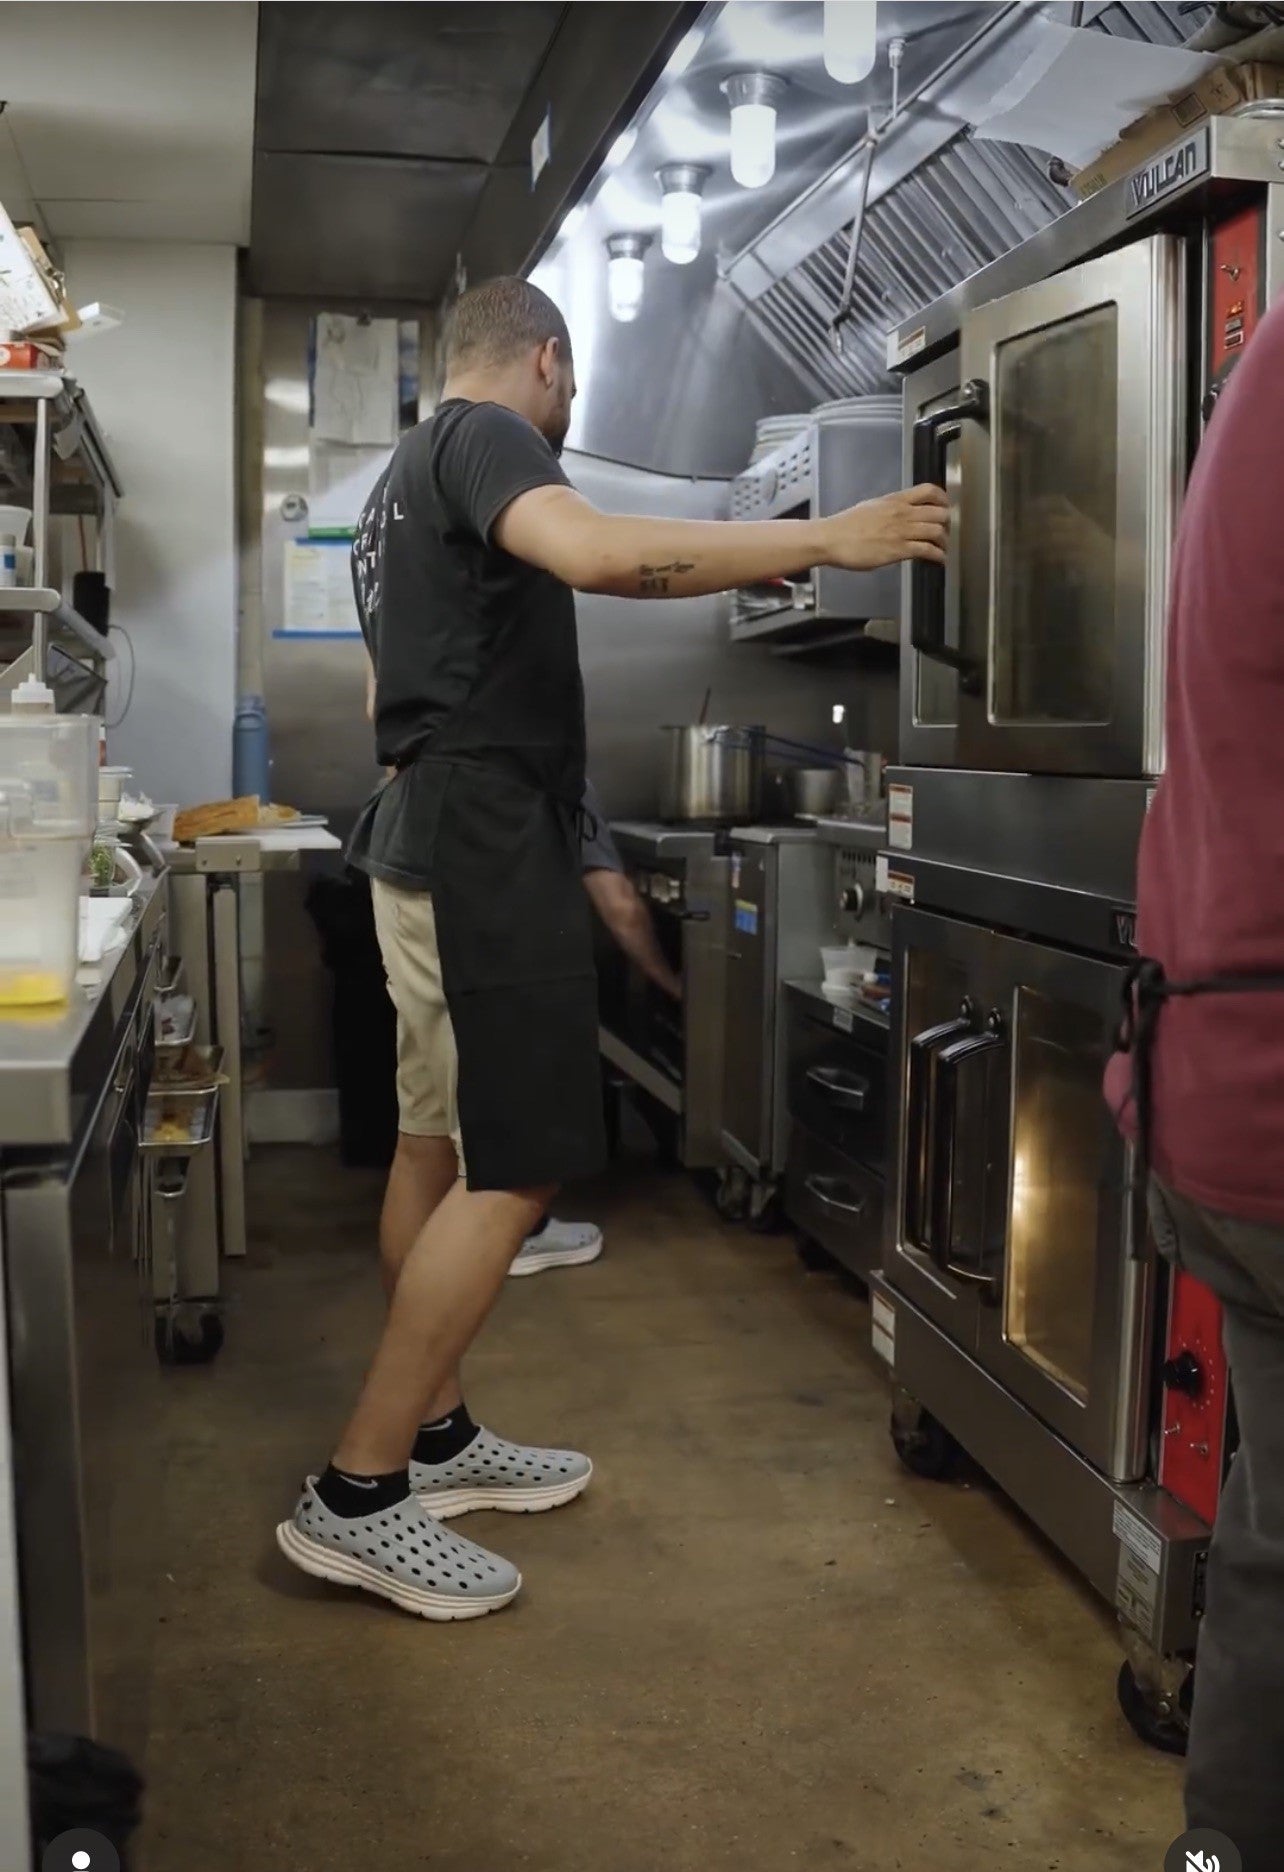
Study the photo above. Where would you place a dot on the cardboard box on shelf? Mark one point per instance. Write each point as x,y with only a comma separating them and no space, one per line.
1221,91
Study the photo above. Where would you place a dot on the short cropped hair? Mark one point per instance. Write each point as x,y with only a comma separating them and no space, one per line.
499,320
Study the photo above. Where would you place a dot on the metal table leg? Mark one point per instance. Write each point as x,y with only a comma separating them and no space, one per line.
227,1014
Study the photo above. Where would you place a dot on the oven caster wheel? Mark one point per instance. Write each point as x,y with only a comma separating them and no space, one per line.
1160,1726
731,1198
764,1208
188,1338
923,1444
815,1259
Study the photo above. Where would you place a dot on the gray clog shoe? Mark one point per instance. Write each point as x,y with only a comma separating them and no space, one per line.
402,1554
492,1473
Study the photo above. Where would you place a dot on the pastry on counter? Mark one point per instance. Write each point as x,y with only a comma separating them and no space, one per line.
229,816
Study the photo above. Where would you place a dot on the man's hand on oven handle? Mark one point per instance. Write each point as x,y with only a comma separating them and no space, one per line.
913,523
631,556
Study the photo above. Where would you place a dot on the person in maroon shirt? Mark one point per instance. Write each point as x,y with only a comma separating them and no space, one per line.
1205,1094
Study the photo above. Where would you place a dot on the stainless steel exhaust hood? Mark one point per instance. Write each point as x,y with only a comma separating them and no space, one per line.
389,138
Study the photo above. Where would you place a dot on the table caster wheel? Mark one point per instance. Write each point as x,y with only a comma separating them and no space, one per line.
1164,1728
189,1338
731,1198
923,1444
764,1208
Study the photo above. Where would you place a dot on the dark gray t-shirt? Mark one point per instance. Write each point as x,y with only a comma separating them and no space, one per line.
598,850
455,628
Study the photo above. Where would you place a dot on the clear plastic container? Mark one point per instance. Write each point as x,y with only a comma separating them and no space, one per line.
39,918
51,762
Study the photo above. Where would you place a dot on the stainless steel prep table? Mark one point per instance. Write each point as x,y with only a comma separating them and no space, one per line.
216,912
77,1350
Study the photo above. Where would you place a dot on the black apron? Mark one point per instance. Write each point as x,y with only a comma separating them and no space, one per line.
513,923
1146,991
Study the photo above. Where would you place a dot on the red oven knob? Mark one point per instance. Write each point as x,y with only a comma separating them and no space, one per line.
1184,1373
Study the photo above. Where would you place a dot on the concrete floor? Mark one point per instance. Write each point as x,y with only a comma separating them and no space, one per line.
756,1643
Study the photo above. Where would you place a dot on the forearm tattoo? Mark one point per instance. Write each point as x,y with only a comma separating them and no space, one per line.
653,581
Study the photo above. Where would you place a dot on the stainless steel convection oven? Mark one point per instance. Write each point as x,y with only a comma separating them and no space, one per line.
1060,395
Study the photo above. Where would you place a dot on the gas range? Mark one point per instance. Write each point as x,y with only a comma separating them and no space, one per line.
671,1052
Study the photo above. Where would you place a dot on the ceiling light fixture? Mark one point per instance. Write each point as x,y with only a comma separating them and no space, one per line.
621,149
754,98
849,44
683,56
571,220
680,187
624,275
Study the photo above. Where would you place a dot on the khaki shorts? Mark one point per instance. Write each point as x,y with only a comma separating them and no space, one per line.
427,1063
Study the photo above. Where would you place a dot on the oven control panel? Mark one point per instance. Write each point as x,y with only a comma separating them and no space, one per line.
861,915
661,888
1195,1430
1236,294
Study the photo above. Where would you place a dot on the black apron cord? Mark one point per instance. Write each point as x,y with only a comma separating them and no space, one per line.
1146,989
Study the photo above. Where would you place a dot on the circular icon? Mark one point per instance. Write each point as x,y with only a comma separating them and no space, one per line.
84,1851
1203,1849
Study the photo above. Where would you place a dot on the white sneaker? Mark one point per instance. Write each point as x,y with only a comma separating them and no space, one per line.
402,1554
558,1244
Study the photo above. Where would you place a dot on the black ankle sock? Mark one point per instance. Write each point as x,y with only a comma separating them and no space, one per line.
438,1442
538,1229
352,1496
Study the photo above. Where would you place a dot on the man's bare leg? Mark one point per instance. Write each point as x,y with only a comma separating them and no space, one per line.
448,1283
424,1171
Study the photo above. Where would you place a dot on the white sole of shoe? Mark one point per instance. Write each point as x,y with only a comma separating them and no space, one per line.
451,1502
555,1258
341,1569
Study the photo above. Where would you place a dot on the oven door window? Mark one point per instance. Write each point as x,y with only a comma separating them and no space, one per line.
1056,575
1052,1276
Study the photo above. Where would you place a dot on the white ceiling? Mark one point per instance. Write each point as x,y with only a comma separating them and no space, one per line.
129,121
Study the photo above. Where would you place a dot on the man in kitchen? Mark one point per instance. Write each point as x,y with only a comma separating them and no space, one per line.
1201,1084
468,554
627,920
413,1193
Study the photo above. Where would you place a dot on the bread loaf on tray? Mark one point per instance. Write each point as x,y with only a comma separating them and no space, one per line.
225,816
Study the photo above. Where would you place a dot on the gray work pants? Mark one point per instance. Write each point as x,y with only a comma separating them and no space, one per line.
1235,1767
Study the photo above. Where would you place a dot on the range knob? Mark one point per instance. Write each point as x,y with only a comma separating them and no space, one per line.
853,899
1184,1373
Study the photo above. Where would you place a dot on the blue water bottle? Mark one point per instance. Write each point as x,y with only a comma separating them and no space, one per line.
251,757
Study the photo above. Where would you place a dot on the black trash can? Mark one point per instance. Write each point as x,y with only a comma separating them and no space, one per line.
363,1020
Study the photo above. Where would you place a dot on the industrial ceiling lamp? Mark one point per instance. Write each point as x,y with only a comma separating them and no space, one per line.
680,187
624,276
850,41
754,98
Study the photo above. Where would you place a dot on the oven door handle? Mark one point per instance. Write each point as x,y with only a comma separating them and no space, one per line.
816,1185
845,1089
933,434
948,1066
918,1116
